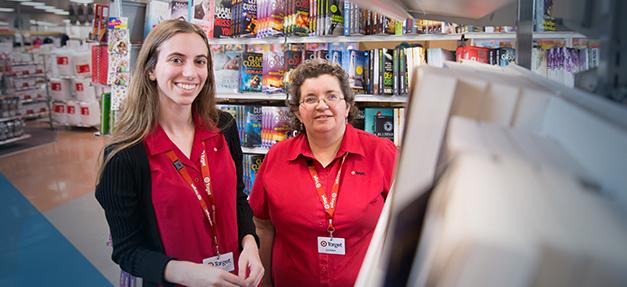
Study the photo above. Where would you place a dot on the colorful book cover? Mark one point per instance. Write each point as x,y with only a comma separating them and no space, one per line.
278,125
301,23
251,72
356,70
293,58
276,17
223,25
273,68
226,68
179,8
388,71
252,163
336,17
313,17
252,126
248,23
380,122
507,56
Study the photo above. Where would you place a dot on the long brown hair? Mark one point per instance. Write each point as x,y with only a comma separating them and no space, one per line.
140,110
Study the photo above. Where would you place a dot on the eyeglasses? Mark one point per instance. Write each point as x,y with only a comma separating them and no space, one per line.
312,101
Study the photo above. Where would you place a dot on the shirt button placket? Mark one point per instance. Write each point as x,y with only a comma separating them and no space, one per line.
324,270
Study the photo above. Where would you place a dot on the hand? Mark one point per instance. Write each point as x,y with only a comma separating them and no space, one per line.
194,274
249,261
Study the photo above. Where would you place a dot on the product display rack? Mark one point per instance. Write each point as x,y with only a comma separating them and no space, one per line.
391,38
29,93
12,140
359,98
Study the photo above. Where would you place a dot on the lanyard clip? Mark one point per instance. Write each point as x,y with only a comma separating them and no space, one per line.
331,228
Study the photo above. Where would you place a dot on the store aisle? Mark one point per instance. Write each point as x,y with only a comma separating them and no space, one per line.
57,234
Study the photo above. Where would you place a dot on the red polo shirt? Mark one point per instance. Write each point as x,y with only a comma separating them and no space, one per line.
184,229
284,193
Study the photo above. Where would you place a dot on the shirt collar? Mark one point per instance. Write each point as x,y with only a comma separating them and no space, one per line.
350,144
158,141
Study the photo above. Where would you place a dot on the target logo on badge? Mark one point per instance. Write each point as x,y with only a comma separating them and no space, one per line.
323,244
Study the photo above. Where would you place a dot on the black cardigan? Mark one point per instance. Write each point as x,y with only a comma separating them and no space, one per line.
124,191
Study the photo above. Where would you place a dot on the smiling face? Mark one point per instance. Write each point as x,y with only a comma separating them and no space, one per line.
181,69
323,119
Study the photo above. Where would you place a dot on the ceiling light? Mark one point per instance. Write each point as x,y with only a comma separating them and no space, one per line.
53,9
82,1
62,13
2,23
6,9
43,7
66,21
33,4
19,0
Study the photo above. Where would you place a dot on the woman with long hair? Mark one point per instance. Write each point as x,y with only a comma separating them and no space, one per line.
170,181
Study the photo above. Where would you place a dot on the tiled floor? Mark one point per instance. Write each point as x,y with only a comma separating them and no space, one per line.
58,180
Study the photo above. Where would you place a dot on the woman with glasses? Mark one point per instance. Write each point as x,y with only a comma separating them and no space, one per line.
317,197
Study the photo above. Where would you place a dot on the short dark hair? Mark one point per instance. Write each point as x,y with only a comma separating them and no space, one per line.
313,69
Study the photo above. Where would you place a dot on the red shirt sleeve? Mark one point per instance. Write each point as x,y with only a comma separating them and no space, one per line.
389,151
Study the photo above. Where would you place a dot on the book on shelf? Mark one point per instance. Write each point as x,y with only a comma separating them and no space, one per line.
335,20
437,56
251,165
358,63
383,122
223,19
252,126
180,8
245,17
388,71
273,69
293,58
380,122
156,12
275,125
251,72
227,60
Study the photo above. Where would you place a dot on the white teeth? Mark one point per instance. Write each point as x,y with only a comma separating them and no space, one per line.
188,87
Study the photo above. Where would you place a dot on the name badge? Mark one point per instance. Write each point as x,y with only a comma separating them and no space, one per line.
328,245
224,261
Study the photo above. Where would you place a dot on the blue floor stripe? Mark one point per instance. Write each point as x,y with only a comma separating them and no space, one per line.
33,252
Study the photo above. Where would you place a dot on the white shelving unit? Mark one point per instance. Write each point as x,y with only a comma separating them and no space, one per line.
512,36
359,98
254,150
11,140
391,38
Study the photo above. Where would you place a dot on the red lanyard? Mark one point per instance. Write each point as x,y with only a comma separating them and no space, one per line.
329,207
204,169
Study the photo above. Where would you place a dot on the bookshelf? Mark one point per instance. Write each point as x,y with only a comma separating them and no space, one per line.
359,98
391,38
536,35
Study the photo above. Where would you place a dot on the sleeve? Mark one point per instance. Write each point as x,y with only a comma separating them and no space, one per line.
245,223
388,161
258,198
118,192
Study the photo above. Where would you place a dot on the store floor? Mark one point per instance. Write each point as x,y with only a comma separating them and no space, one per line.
53,230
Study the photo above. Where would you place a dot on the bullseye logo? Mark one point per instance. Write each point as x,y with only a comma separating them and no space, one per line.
323,244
